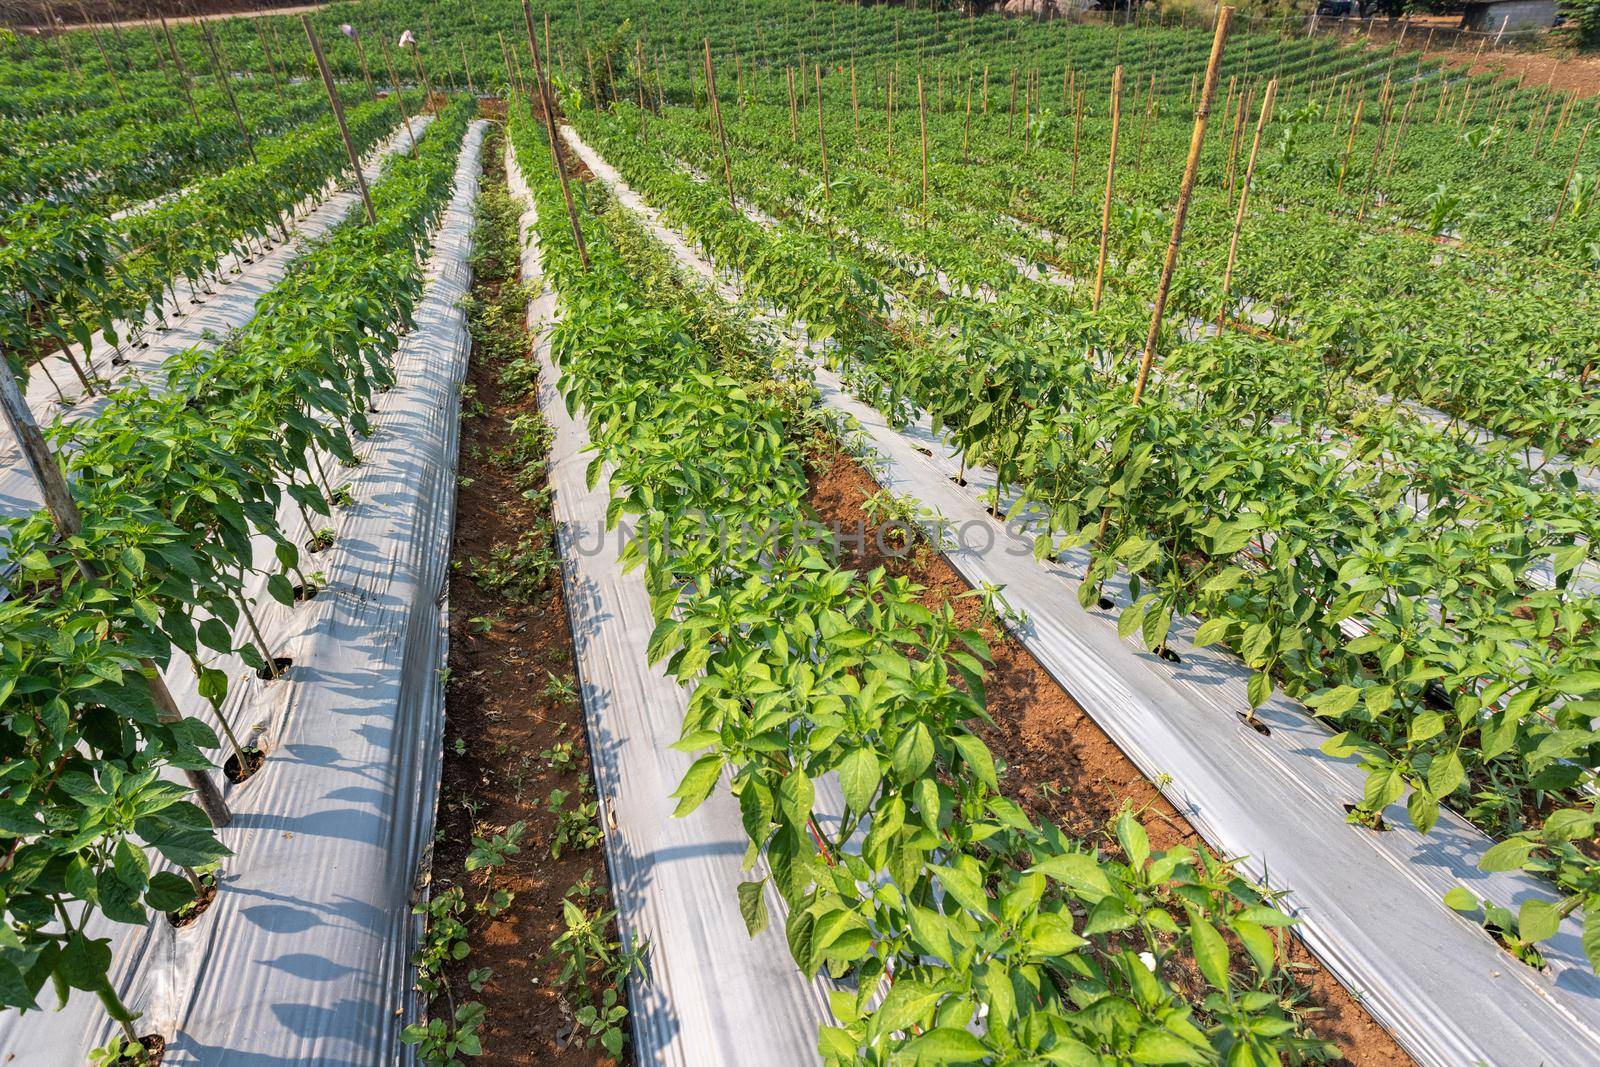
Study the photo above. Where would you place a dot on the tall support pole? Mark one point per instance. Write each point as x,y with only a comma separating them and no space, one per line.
361,57
338,114
266,53
183,73
1111,180
716,116
1244,195
922,118
68,521
1350,143
422,75
1180,215
558,158
466,65
105,56
822,136
227,89
1572,171
399,97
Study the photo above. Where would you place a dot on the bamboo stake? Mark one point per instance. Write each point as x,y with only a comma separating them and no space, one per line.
1111,176
338,114
966,128
557,157
266,52
183,74
1244,195
1180,215
794,111
1077,134
1571,173
1350,143
722,136
922,116
1233,145
466,65
889,113
46,471
399,97
855,104
822,137
111,71
227,90
1011,125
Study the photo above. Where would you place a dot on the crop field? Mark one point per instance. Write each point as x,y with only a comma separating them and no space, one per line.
630,531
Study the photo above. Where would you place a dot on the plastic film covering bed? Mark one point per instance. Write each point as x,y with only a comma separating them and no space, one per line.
229,308
1369,903
713,994
303,958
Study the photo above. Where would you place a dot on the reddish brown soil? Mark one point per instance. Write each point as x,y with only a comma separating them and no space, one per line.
27,14
1064,767
498,709
1573,74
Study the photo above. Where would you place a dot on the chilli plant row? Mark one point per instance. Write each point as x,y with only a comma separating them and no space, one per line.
65,273
1468,678
800,669
171,477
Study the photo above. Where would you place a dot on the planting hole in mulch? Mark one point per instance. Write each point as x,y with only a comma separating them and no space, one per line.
119,360
191,912
237,773
303,593
154,1045
958,479
1258,726
1105,603
1166,653
1377,824
320,543
280,667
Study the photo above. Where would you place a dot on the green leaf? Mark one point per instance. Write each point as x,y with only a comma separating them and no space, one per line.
753,906
908,1003
1508,855
946,1045
1460,899
1210,951
168,891
859,775
1538,920
1078,871
697,784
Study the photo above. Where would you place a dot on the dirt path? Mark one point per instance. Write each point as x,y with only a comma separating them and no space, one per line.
68,17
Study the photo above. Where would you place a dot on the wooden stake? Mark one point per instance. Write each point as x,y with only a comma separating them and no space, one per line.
266,52
466,65
922,116
966,128
46,471
1571,173
889,113
855,105
1349,144
1233,145
227,90
716,116
183,74
1196,141
1244,195
338,114
1077,134
399,97
1111,176
557,158
111,71
794,109
822,137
